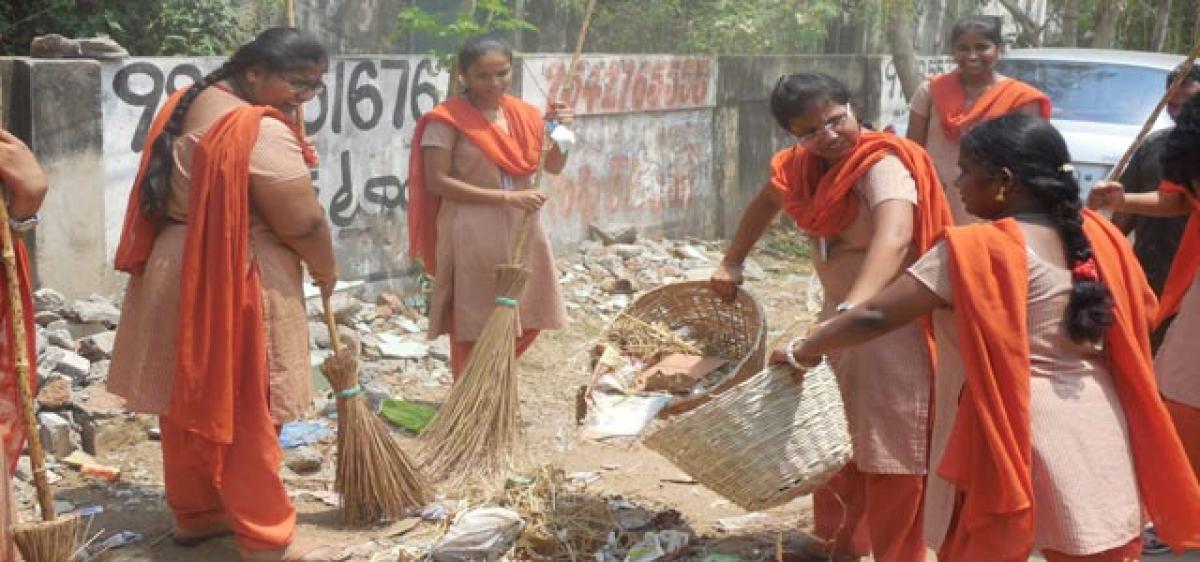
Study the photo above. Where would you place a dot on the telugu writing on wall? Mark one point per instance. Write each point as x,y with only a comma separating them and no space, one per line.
362,123
621,83
645,155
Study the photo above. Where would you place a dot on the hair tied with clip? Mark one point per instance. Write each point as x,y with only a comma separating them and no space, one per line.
1067,168
1085,270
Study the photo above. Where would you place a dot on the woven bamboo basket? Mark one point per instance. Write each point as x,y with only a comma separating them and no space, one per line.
764,442
735,331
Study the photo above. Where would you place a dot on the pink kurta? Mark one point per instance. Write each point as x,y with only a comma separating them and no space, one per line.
1084,486
885,383
143,363
473,239
1176,364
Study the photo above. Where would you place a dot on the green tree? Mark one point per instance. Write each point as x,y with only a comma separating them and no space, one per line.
172,27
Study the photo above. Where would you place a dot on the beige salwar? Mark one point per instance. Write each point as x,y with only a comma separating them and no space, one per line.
1176,366
1084,486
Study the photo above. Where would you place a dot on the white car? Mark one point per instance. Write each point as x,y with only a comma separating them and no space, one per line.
1101,98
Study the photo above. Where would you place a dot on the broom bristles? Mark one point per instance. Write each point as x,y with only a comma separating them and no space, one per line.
374,476
475,431
48,541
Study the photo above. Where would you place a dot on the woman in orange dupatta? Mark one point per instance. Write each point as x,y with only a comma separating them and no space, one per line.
870,203
214,337
1178,375
1049,432
26,186
948,105
470,182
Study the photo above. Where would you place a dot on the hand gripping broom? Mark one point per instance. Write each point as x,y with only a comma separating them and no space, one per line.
52,539
475,430
374,476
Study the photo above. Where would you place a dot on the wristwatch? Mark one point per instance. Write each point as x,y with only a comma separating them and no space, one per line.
23,225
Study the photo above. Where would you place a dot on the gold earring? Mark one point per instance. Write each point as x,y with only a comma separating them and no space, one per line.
1000,195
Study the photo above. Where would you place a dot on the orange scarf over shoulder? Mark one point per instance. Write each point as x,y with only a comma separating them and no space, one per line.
1186,264
516,153
949,97
12,428
989,451
821,202
221,339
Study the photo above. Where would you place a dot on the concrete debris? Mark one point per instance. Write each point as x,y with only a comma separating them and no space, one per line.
49,300
55,394
56,434
45,317
97,347
55,46
96,309
303,459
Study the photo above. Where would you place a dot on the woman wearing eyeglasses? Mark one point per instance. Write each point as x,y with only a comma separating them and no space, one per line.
870,203
948,105
221,221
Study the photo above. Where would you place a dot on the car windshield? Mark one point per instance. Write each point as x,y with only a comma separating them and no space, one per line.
1089,91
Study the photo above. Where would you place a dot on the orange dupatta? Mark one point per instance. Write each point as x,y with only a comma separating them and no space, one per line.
516,153
1187,258
1002,98
220,341
819,200
12,427
989,451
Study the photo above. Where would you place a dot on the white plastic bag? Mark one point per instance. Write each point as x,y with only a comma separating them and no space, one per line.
479,534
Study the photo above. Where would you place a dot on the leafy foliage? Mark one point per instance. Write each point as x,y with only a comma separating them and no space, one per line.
448,31
170,27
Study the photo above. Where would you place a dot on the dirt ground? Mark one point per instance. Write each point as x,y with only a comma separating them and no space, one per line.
550,375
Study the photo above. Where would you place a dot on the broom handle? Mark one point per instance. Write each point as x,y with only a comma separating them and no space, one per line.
527,220
1184,69
331,324
37,456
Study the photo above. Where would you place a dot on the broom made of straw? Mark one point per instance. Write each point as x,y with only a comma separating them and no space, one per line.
475,430
374,476
51,539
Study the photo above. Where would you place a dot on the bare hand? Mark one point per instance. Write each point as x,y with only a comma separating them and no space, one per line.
561,112
1106,195
19,170
526,200
725,281
325,283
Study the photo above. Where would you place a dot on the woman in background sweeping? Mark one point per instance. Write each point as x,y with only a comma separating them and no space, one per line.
1178,376
1049,432
26,186
221,353
470,182
947,106
870,203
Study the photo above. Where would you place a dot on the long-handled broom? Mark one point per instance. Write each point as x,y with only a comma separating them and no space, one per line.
1184,71
374,476
52,539
475,430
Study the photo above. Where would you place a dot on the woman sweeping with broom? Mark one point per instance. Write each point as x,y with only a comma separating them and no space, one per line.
26,187
214,335
470,178
1049,432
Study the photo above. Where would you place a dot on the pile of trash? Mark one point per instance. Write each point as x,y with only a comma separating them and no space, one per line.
552,516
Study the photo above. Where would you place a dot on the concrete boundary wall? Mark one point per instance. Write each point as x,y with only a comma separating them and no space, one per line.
675,145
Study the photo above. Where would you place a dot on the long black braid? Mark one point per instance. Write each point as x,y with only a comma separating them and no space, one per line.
275,50
1036,154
